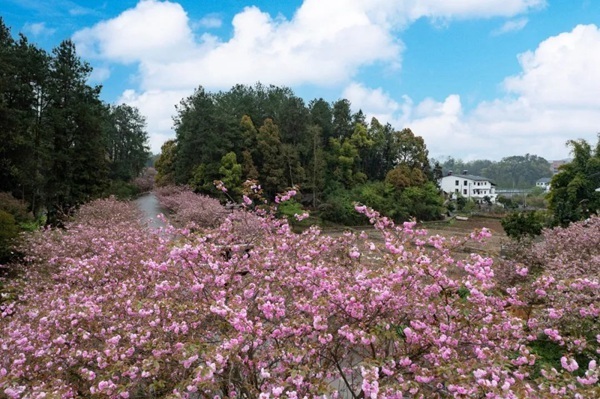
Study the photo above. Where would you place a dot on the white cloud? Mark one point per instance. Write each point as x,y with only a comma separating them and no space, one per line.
562,72
99,74
324,44
38,29
158,107
314,47
513,25
552,100
460,9
210,21
152,30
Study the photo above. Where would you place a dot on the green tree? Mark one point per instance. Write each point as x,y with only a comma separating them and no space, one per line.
321,115
518,171
317,165
523,224
78,171
198,138
271,160
573,194
231,174
410,150
126,142
24,141
342,119
165,164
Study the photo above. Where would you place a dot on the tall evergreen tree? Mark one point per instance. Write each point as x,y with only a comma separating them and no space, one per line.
126,142
78,171
342,119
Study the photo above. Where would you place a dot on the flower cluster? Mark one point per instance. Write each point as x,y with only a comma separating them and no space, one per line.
189,207
108,308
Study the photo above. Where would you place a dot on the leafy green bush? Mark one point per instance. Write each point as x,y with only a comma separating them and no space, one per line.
9,231
18,209
290,209
421,202
339,208
121,190
520,224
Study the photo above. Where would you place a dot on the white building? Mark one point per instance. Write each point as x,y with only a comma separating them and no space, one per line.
544,183
468,186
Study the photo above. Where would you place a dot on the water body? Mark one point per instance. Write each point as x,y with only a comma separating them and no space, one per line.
149,206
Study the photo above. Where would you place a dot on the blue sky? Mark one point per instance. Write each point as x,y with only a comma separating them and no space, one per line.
475,78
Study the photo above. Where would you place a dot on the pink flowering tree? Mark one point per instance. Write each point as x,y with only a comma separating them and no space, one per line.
111,309
561,288
188,207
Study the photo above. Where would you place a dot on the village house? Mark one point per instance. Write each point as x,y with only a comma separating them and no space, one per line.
468,186
544,183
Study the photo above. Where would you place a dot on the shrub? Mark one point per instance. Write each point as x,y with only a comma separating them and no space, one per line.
9,231
121,190
17,208
520,224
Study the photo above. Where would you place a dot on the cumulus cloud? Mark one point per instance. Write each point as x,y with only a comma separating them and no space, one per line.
553,99
152,31
320,45
158,107
324,44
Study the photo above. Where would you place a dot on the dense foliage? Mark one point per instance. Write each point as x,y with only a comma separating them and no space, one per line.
573,196
60,145
14,217
115,310
510,172
523,224
267,133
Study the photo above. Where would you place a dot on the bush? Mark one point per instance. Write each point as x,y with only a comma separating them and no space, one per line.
17,208
9,231
520,224
338,207
121,190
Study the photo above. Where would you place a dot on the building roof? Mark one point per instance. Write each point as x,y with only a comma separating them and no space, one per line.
471,177
544,180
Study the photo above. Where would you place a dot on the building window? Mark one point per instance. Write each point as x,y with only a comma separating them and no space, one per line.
456,191
465,183
456,182
465,191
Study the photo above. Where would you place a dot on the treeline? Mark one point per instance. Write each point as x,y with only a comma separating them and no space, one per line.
510,172
60,145
268,134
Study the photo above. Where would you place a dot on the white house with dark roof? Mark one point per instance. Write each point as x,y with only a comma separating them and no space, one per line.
468,186
544,183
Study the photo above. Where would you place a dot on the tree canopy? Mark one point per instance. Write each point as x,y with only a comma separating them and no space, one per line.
60,145
280,141
573,194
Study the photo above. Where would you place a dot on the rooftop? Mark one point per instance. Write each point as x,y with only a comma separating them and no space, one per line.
471,177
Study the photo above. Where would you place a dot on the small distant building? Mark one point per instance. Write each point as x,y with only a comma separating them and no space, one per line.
468,186
544,183
554,165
